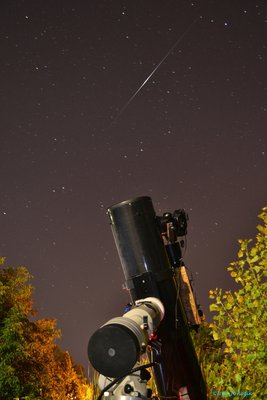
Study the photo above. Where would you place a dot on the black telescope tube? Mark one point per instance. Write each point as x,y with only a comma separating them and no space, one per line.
147,272
138,242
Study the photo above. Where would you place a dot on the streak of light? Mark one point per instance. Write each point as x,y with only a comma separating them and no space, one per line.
155,69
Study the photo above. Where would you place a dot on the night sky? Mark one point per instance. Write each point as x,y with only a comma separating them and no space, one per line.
72,144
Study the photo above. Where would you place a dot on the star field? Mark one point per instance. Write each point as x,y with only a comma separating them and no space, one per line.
193,137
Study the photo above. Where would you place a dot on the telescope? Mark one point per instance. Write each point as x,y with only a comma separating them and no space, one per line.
116,347
161,314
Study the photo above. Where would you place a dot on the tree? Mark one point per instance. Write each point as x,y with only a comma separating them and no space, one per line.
32,365
15,306
233,348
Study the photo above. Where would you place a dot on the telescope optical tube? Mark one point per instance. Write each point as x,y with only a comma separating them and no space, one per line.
114,349
147,272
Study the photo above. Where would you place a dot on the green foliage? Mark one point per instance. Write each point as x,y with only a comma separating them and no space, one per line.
32,366
15,306
233,349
